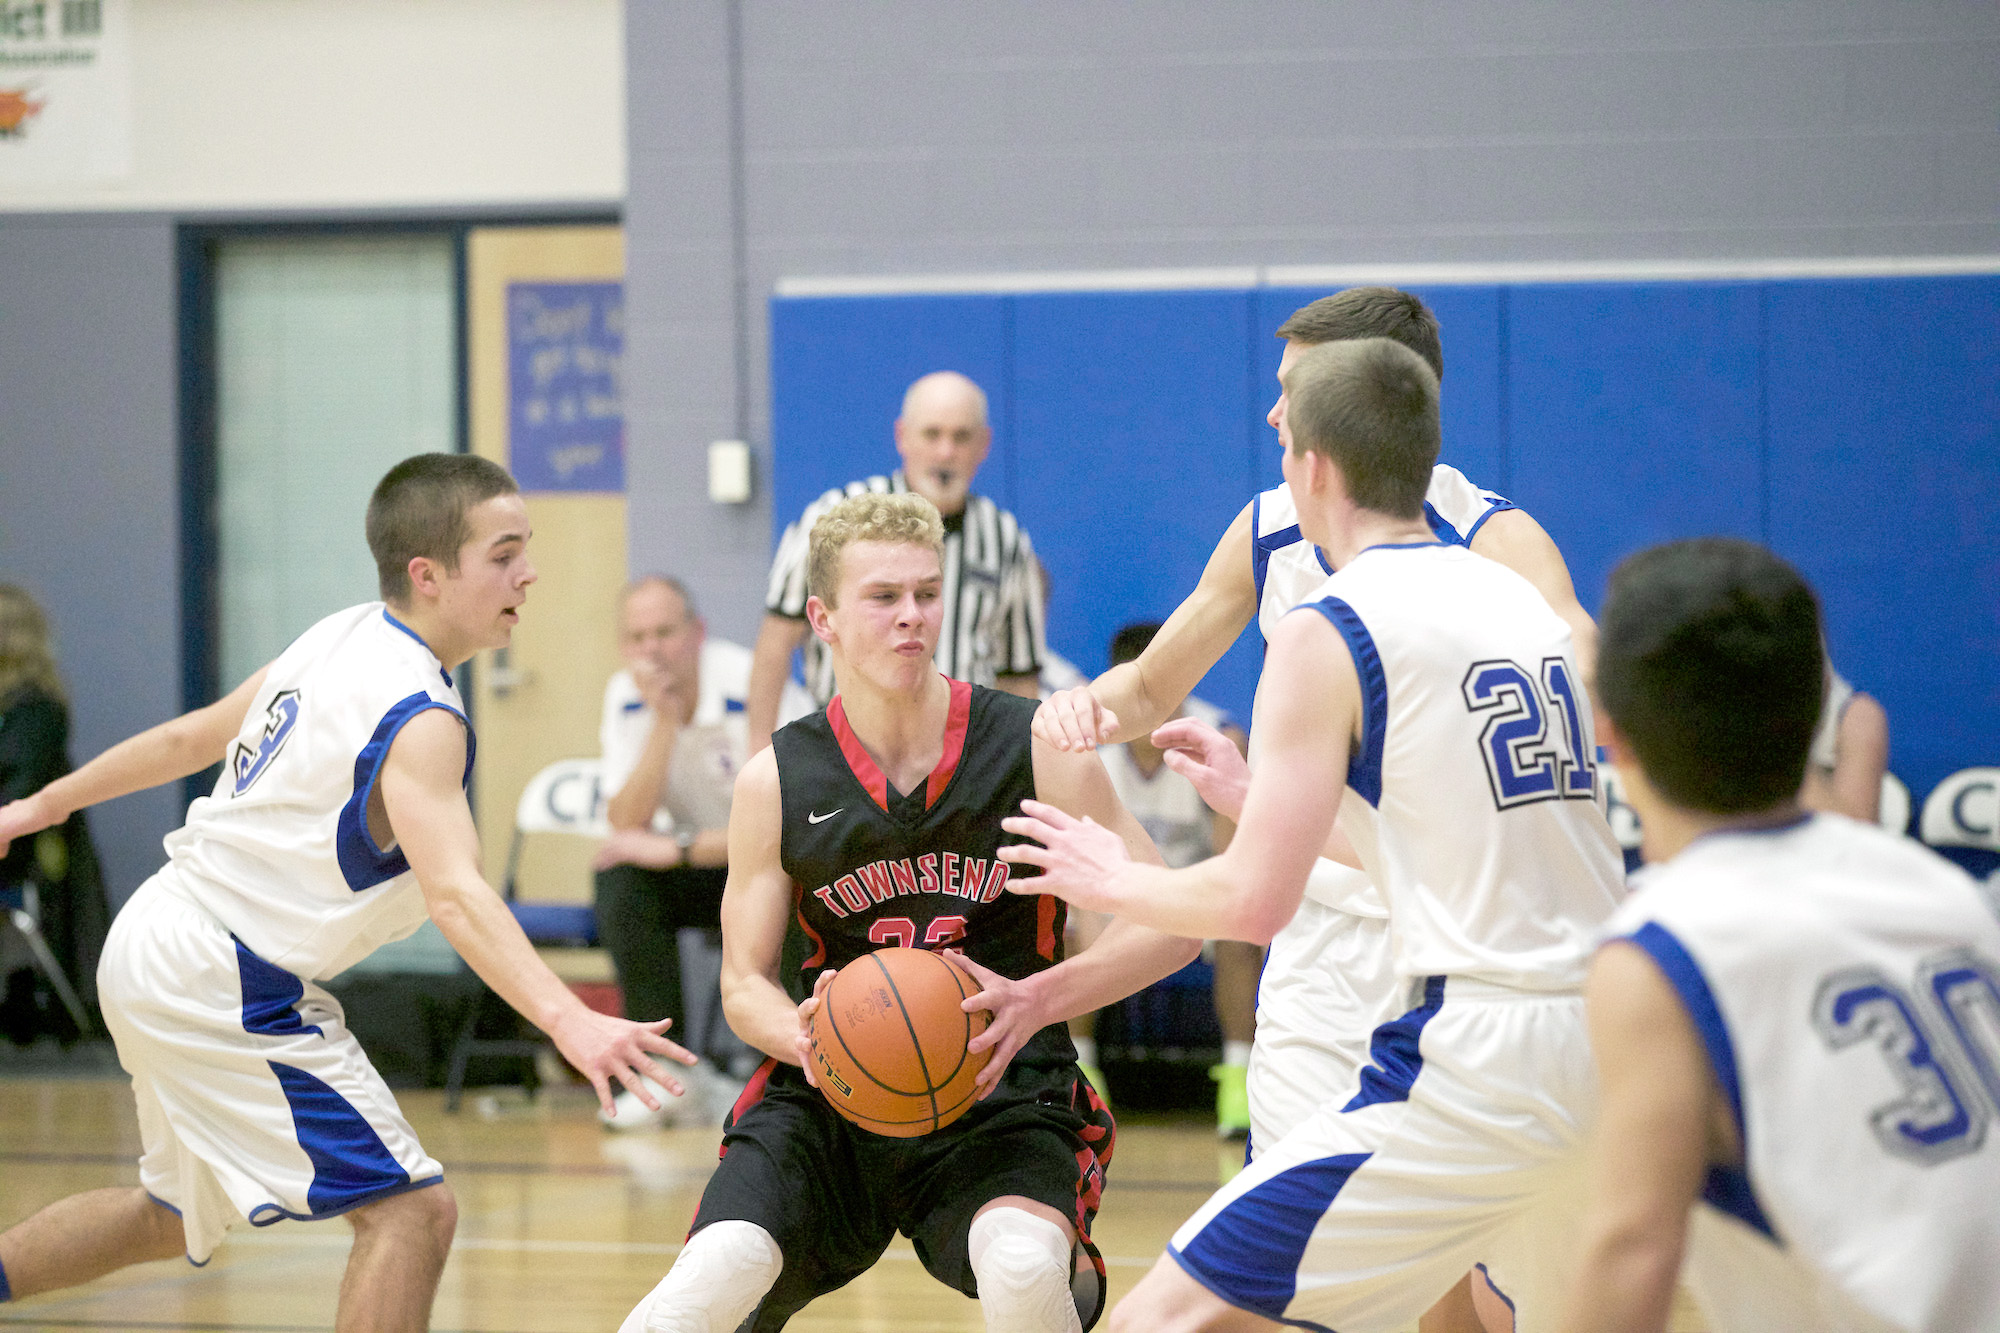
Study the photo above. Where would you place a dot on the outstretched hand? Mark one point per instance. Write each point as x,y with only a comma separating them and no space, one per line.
1014,1016
1208,759
28,815
1073,719
1078,858
807,1008
604,1048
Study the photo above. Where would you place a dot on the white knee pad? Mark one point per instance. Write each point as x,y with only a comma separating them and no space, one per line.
1022,1263
723,1271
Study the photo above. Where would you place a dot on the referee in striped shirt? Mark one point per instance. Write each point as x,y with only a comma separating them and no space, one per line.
992,631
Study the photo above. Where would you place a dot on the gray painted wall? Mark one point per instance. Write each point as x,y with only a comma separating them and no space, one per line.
89,484
907,138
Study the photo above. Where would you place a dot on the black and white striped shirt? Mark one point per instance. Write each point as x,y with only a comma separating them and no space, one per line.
992,590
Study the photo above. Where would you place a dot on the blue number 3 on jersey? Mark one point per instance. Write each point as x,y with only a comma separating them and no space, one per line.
247,765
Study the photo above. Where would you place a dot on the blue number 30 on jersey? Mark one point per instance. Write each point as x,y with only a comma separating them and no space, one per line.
247,765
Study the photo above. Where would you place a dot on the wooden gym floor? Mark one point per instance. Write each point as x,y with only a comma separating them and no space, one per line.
561,1226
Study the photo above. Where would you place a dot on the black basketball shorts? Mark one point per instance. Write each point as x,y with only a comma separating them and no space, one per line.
833,1195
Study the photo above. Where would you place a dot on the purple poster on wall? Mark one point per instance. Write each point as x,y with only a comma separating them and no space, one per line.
565,359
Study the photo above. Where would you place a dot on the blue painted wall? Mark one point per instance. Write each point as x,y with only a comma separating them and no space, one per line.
1854,425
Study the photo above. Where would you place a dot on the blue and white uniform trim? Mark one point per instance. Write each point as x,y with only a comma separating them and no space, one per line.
1236,1257
1395,1055
1727,1188
270,997
1364,768
362,864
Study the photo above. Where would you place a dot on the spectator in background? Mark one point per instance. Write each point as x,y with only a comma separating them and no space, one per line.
59,862
1186,831
673,741
993,598
1850,753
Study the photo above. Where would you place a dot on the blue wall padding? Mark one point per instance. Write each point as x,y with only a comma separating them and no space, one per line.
1885,490
839,367
1854,424
1633,416
1131,455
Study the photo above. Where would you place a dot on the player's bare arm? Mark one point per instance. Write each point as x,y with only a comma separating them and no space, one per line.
1515,540
1214,762
422,809
174,749
1134,697
1123,959
770,665
1662,1123
1311,702
756,912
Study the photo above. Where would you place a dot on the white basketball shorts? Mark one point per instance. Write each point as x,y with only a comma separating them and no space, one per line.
1329,982
255,1101
1462,1144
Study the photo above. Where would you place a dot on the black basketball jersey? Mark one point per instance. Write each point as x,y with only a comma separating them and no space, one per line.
872,867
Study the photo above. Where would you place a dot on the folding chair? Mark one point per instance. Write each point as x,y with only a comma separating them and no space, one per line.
23,904
563,798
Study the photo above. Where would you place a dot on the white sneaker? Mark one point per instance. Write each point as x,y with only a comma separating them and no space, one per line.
628,1112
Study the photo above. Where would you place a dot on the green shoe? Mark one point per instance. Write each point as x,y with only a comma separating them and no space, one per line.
1096,1077
1232,1101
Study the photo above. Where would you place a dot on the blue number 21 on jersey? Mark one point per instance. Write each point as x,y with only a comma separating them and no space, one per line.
1524,761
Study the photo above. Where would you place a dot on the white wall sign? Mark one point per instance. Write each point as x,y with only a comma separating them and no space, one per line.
65,91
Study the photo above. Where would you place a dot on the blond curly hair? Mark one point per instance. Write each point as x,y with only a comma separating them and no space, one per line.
868,517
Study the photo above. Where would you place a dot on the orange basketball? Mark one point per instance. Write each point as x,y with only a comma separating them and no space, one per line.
888,1042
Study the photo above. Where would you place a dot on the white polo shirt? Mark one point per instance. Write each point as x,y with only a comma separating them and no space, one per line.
711,748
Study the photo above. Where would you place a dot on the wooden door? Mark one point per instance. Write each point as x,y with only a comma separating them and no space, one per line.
539,700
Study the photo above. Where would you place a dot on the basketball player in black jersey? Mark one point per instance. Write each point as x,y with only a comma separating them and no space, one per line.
877,823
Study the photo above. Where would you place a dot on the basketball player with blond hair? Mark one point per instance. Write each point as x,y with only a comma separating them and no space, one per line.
877,823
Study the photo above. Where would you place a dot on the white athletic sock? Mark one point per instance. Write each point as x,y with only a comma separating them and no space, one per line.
1236,1053
1022,1263
1086,1049
723,1271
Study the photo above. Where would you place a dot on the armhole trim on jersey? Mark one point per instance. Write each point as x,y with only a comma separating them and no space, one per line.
362,864
1443,529
1499,507
1727,1188
1364,767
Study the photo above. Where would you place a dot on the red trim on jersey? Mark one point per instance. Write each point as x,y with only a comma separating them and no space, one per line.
955,721
864,768
799,910
753,1092
1045,926
958,716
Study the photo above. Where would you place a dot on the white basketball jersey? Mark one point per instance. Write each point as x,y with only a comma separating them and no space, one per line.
1472,796
1846,984
280,852
1166,805
1287,569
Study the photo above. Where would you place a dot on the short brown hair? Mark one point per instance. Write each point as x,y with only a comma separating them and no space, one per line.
419,509
869,517
1371,406
1369,312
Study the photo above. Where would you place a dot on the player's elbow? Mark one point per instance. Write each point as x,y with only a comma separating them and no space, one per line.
1258,920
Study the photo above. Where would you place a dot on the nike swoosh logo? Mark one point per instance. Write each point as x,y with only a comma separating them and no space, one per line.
812,818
